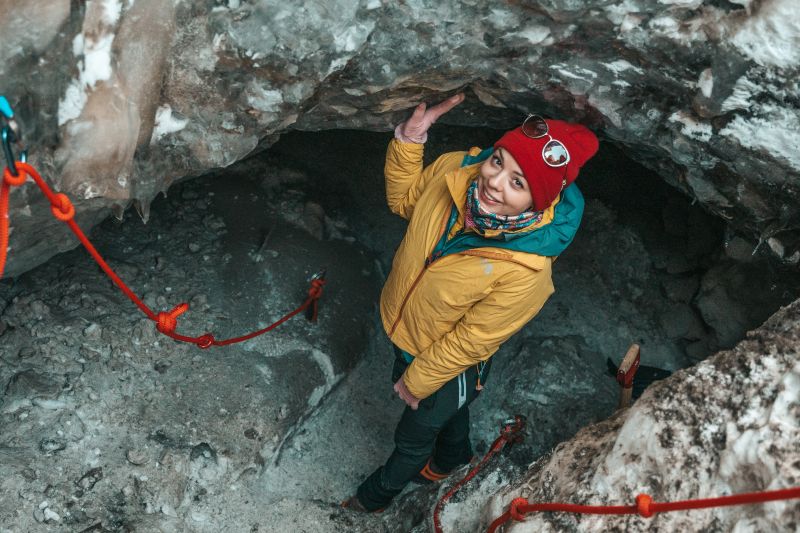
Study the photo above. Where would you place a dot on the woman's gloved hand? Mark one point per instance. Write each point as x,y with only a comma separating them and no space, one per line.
405,395
415,129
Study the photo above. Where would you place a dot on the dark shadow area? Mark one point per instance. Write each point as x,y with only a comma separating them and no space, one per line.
717,287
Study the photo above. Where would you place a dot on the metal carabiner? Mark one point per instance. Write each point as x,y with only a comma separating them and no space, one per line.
320,274
5,108
10,135
8,138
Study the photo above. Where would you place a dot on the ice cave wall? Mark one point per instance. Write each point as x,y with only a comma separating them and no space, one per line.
120,98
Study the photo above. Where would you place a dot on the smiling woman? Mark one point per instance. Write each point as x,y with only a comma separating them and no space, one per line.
501,186
473,268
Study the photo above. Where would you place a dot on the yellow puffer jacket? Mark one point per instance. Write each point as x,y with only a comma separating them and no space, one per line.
459,309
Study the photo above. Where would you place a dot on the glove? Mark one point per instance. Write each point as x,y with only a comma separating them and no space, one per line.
415,129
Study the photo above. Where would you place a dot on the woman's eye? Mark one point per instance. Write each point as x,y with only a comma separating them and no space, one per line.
518,183
496,160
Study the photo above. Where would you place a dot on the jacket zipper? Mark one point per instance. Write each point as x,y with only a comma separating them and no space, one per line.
428,261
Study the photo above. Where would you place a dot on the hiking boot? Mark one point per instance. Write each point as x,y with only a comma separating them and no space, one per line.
354,504
429,475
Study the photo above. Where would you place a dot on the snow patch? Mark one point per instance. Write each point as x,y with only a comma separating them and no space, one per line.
111,11
618,13
578,72
534,34
690,4
743,91
706,82
97,60
771,36
353,37
77,45
166,123
692,127
325,364
266,100
95,67
501,19
685,32
620,65
777,132
71,105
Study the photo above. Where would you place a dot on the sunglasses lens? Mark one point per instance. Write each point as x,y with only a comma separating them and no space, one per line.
555,154
534,127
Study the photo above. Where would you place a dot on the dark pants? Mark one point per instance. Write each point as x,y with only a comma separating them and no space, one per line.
439,428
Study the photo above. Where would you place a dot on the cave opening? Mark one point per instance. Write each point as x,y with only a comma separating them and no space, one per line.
308,409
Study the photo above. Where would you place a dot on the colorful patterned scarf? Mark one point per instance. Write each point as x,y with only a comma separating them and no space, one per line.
477,217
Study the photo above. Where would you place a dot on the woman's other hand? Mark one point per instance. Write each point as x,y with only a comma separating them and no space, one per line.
402,391
415,129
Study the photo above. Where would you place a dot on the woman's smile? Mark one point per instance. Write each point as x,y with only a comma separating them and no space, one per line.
485,197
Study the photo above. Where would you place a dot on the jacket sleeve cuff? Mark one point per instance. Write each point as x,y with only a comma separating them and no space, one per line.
410,379
398,134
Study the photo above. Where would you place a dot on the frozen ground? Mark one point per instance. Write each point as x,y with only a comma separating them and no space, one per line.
107,426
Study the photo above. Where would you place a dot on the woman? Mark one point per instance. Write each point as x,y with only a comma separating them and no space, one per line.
473,268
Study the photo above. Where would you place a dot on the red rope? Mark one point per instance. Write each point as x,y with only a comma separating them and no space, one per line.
645,506
166,322
509,433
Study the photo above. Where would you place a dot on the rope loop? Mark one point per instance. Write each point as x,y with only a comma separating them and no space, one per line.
63,210
19,179
315,291
205,341
643,502
514,511
167,321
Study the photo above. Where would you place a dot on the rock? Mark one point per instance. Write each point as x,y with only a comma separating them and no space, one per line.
680,321
51,516
672,445
31,384
701,128
92,331
26,352
203,451
314,219
90,479
168,510
680,289
52,445
137,457
740,249
70,426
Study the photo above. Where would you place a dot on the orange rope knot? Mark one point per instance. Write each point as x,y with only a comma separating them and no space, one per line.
19,179
514,511
63,210
315,292
167,321
205,341
643,502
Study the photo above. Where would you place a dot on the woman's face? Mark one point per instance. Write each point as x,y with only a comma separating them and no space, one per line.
502,189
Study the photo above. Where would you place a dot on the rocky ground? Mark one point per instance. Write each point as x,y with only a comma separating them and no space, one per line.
108,426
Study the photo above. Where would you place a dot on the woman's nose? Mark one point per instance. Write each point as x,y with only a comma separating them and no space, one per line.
494,182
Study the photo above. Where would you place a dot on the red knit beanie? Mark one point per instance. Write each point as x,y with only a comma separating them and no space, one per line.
543,180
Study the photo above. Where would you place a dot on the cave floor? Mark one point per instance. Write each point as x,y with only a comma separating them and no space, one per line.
107,426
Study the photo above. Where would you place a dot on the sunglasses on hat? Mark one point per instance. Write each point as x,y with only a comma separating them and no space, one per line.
554,153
